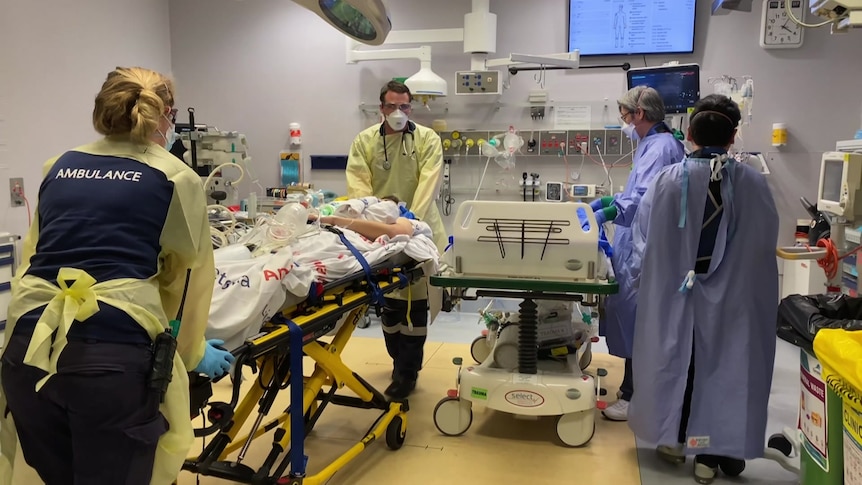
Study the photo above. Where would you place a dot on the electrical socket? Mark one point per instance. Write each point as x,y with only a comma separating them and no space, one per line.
537,112
16,191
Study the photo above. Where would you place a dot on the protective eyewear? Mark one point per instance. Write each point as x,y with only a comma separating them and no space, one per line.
624,117
393,107
172,115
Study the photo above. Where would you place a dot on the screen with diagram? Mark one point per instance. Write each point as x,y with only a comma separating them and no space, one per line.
620,27
679,86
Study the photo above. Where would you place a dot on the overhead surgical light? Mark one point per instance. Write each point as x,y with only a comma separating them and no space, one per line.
426,84
366,21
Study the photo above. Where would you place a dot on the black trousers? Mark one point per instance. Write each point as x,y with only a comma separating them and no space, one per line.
627,387
94,422
405,346
711,461
686,403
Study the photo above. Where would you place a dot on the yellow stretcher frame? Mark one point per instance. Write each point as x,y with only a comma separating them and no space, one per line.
267,351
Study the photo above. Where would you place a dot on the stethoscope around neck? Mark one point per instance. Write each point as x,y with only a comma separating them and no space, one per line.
411,127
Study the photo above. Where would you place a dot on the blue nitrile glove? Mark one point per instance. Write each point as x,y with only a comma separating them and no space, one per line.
405,213
216,361
601,218
607,214
582,216
604,245
602,202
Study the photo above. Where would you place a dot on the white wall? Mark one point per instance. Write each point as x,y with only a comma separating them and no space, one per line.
257,65
54,56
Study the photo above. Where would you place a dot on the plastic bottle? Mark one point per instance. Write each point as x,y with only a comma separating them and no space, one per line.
252,205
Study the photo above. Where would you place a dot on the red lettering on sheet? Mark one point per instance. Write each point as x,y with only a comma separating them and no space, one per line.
320,267
270,275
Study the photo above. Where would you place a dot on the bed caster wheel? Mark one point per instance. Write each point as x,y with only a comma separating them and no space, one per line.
780,443
453,416
480,349
365,322
576,429
394,435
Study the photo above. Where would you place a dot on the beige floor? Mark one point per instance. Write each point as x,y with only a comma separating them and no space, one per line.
497,449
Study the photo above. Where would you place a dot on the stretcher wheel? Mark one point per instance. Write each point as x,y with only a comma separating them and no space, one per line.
452,416
394,436
781,443
365,322
480,349
576,429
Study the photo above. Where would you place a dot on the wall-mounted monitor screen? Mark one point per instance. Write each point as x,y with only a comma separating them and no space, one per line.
631,27
679,85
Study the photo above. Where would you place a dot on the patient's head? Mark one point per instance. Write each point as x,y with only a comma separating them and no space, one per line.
392,198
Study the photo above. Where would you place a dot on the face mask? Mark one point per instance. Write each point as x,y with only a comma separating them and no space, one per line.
397,120
170,137
629,131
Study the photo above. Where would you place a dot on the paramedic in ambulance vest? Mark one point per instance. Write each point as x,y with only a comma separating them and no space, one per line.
643,112
401,158
704,262
120,231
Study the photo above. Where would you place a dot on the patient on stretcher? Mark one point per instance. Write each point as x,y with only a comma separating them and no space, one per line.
387,218
251,285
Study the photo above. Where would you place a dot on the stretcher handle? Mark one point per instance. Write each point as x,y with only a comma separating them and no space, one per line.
798,253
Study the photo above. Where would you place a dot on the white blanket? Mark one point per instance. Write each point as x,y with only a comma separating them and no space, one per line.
248,292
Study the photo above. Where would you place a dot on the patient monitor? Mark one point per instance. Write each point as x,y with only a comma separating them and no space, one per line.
840,191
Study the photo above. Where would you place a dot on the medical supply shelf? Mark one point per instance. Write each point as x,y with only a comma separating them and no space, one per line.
548,388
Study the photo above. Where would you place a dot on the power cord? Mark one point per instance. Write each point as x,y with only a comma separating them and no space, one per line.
19,191
831,263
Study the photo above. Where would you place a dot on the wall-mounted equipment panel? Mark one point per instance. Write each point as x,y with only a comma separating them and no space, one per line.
477,82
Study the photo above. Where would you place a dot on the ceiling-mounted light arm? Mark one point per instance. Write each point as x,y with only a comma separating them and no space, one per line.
354,55
429,36
625,66
424,85
568,60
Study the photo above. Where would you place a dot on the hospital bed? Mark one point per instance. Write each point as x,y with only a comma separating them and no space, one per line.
531,252
276,356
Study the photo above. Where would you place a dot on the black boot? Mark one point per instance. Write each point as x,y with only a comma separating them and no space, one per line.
731,467
400,388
